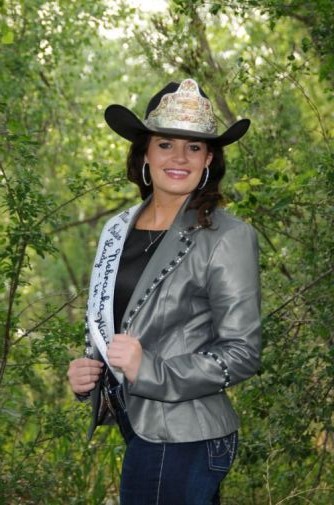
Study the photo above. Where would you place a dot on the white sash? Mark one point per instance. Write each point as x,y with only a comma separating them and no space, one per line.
102,283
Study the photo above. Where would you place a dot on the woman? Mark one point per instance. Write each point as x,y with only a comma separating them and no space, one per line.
173,312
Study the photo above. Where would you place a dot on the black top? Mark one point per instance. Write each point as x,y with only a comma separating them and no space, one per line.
138,250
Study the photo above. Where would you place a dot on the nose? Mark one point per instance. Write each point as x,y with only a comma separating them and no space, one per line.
180,153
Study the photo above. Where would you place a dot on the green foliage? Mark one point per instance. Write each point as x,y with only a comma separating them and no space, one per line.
62,174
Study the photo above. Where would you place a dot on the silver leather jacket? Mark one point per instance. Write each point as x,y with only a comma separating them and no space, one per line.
199,330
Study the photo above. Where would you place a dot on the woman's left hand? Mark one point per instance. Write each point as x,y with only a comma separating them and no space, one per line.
125,352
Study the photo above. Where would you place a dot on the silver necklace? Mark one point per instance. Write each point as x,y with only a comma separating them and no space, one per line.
154,240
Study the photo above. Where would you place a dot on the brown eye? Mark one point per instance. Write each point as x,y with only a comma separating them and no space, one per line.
195,147
164,145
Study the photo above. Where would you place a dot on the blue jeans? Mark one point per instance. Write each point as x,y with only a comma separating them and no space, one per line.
186,473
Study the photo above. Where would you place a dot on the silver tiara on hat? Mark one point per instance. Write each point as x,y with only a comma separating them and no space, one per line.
185,109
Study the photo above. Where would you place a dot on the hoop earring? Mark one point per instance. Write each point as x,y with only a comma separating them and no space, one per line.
146,182
205,178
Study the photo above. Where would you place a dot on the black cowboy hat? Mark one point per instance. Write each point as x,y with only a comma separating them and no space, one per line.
175,110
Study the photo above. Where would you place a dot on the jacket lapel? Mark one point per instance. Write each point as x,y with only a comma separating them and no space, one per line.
172,250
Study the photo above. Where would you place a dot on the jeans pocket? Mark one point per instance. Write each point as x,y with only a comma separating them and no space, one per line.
222,451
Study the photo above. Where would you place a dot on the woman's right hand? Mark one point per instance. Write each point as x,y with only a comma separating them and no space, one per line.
83,374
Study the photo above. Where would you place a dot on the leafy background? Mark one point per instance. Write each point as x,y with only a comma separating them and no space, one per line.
62,175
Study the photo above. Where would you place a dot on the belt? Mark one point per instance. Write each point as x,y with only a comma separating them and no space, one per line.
113,394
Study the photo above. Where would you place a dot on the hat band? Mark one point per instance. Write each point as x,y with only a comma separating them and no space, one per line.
182,124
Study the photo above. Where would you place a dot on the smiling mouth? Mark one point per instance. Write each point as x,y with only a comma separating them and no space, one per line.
175,172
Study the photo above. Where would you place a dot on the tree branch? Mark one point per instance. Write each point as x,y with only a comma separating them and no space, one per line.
46,319
61,206
301,291
88,220
214,67
311,103
282,266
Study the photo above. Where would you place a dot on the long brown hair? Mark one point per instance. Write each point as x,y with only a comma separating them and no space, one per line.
203,200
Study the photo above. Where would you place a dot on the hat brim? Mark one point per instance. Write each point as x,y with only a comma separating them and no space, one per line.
128,125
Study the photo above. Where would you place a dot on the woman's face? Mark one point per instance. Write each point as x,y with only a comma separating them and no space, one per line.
176,165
